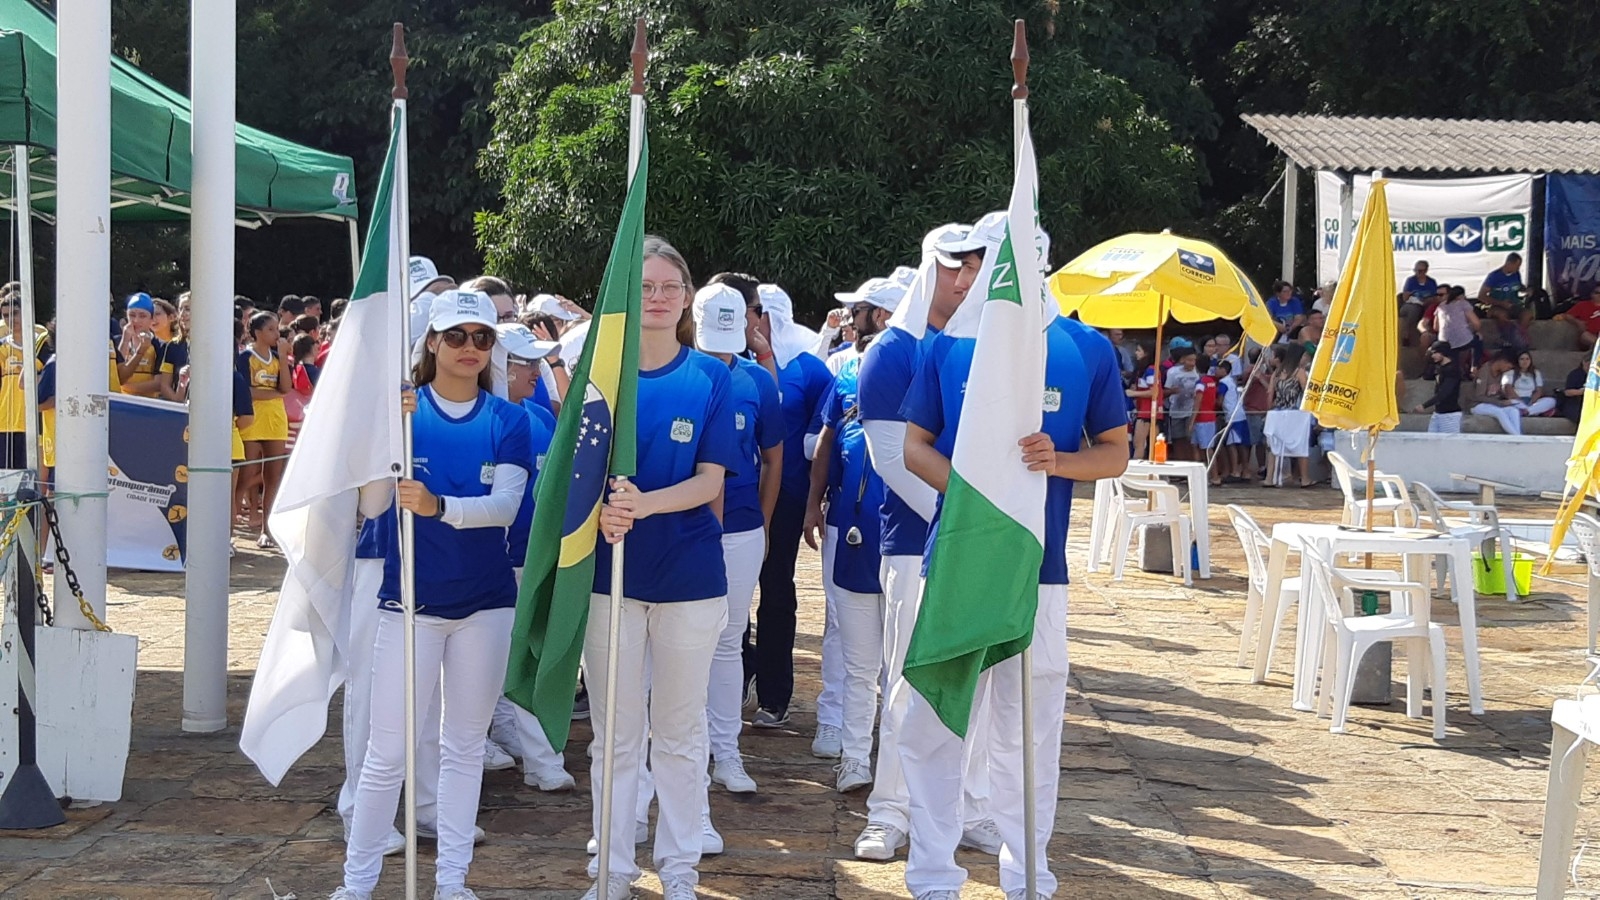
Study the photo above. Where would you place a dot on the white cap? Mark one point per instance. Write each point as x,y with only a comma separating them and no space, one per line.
950,242
550,305
453,308
422,272
719,319
884,293
903,276
520,342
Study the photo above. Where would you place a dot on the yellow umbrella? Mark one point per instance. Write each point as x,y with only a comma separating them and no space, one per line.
1141,280
1352,379
1583,466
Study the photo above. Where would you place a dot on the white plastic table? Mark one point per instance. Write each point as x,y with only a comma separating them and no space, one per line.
1575,724
1101,527
1412,545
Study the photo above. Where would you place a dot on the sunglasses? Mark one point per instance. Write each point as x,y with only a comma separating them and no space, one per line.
457,338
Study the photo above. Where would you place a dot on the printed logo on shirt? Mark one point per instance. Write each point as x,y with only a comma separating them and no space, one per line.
682,430
486,473
738,421
1052,399
538,461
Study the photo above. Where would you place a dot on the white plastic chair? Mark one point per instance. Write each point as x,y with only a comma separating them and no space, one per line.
1389,495
1587,528
1481,521
1348,636
1159,505
1257,550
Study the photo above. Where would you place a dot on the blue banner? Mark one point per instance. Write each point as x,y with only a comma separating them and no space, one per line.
1572,235
148,510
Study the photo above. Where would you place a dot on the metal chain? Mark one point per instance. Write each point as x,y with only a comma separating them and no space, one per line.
64,560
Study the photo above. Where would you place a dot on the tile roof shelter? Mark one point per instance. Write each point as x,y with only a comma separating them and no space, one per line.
1350,144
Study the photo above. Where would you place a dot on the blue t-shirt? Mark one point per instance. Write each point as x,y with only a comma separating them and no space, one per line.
243,404
1421,288
460,571
541,396
685,417
1083,394
802,386
543,428
887,369
758,425
855,492
377,533
1504,286
1282,312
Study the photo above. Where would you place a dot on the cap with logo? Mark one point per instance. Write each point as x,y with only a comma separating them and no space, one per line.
521,343
550,305
453,308
141,301
948,242
421,272
719,319
884,293
903,276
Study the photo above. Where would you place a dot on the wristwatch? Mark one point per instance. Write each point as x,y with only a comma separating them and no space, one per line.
439,513
557,363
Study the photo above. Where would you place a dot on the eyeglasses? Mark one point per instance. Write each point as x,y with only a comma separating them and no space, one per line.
756,308
506,317
457,338
672,290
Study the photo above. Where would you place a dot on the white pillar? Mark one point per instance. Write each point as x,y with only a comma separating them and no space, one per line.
212,77
1291,203
83,289
1347,216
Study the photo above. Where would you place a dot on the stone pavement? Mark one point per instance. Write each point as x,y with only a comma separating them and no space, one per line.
1180,778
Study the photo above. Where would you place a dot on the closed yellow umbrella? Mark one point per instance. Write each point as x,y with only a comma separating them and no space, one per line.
1142,280
1583,465
1352,379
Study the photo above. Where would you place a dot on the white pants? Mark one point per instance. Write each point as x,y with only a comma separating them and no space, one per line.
858,626
520,734
830,702
889,802
1510,417
363,623
742,554
1444,423
932,755
679,639
468,657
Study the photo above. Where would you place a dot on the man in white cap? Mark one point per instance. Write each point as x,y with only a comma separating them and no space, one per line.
950,264
842,479
426,283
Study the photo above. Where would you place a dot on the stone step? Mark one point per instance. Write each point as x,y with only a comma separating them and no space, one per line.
1417,390
1471,424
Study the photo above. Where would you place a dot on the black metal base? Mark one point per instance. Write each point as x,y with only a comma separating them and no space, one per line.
28,801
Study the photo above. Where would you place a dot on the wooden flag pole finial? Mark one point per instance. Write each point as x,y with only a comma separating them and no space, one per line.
641,53
1019,61
398,62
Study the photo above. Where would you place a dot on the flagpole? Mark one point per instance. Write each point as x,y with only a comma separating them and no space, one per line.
1019,118
639,54
401,240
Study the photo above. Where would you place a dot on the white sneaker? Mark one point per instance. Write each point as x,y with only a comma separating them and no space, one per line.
618,887
459,892
853,776
344,893
710,841
495,758
394,843
983,836
879,842
826,744
1022,894
641,833
427,832
942,895
730,774
554,778
677,889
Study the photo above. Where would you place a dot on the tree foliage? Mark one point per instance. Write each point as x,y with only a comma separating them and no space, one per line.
810,143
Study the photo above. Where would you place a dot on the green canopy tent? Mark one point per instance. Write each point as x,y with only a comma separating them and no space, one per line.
151,126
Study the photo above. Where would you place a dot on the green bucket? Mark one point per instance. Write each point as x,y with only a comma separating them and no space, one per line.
1488,575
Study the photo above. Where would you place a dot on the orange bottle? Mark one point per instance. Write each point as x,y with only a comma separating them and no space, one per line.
1158,453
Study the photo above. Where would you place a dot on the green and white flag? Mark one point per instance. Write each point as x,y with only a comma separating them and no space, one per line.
983,573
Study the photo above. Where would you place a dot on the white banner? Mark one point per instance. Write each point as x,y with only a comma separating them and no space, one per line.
1463,227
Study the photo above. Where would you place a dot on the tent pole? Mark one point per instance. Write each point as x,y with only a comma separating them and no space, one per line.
22,222
83,274
355,252
1291,202
211,248
1155,401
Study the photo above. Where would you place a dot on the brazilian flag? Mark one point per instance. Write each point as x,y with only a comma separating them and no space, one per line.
593,438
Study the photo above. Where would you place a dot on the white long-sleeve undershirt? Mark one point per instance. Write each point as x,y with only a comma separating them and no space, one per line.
886,442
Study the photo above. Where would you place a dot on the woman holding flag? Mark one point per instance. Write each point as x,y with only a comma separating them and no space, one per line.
675,587
472,453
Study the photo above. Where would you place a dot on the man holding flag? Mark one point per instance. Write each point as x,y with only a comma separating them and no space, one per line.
1004,465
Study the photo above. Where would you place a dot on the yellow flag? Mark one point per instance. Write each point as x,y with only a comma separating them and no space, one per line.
1352,380
1583,466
